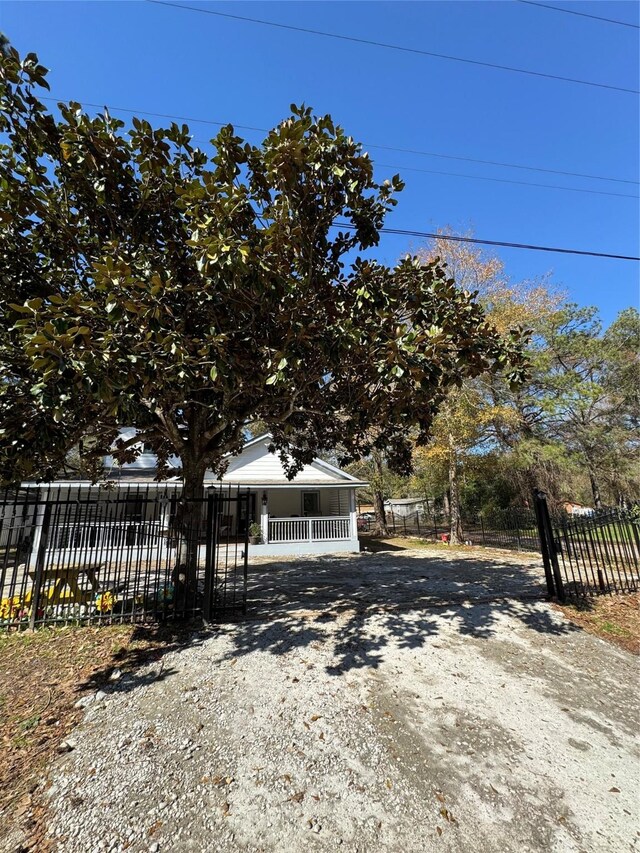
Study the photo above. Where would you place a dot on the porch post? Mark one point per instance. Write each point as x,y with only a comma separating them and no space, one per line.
353,513
264,518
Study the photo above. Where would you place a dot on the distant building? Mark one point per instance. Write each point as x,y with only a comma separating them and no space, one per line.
404,507
572,508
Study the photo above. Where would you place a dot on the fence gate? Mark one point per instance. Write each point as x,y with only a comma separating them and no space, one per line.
76,553
589,555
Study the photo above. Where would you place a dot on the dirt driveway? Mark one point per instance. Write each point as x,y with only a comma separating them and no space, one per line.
390,702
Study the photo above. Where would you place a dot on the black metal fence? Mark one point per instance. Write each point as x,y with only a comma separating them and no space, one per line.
513,529
590,554
599,553
76,553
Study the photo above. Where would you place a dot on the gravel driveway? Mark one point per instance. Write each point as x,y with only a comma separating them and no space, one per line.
389,702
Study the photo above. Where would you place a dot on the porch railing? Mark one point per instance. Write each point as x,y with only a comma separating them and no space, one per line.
325,529
107,534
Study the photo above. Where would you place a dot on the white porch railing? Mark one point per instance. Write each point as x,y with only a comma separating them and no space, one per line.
329,528
98,535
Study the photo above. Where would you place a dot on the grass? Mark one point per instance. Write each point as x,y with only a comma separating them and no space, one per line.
42,675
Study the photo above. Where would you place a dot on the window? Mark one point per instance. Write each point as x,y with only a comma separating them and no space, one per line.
311,503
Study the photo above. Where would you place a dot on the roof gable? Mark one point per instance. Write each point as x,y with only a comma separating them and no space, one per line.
256,464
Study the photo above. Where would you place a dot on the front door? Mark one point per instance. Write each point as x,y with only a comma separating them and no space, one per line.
311,503
246,513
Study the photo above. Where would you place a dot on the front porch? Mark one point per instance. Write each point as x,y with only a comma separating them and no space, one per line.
316,519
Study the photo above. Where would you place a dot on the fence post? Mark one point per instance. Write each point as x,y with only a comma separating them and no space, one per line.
40,561
207,605
553,552
245,559
555,584
540,500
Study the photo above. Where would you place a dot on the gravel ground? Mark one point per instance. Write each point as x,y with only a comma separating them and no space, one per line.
391,702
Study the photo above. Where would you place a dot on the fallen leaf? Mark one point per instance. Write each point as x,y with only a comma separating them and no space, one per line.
614,790
154,827
315,717
388,783
297,798
438,830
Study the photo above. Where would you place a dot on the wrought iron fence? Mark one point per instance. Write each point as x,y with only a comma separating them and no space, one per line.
513,529
599,553
120,553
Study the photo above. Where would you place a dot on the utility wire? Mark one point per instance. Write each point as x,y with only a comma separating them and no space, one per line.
401,48
582,14
367,144
505,181
499,163
458,239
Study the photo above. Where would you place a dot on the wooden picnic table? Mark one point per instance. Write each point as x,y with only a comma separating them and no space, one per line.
69,577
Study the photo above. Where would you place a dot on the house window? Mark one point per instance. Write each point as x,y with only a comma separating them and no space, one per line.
311,503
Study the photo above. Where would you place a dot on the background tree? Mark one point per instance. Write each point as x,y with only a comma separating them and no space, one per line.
383,484
471,413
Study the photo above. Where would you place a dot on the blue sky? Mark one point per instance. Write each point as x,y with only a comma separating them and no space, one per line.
149,57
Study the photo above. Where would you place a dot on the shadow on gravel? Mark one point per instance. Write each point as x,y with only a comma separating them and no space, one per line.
412,598
147,645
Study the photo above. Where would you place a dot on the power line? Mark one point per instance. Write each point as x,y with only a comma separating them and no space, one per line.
458,239
371,145
582,14
401,48
499,163
505,181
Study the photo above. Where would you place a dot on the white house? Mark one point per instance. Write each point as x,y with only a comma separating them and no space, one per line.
315,513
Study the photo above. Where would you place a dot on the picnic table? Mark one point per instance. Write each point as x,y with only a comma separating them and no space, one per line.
66,587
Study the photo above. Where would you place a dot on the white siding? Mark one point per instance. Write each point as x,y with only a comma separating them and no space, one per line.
257,465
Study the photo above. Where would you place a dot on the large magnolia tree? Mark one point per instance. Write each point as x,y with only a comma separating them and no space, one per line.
144,282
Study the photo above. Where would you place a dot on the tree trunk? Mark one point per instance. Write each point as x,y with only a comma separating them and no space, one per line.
595,488
380,528
456,535
189,528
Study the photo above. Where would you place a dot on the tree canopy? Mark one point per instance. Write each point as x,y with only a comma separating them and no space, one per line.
148,283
